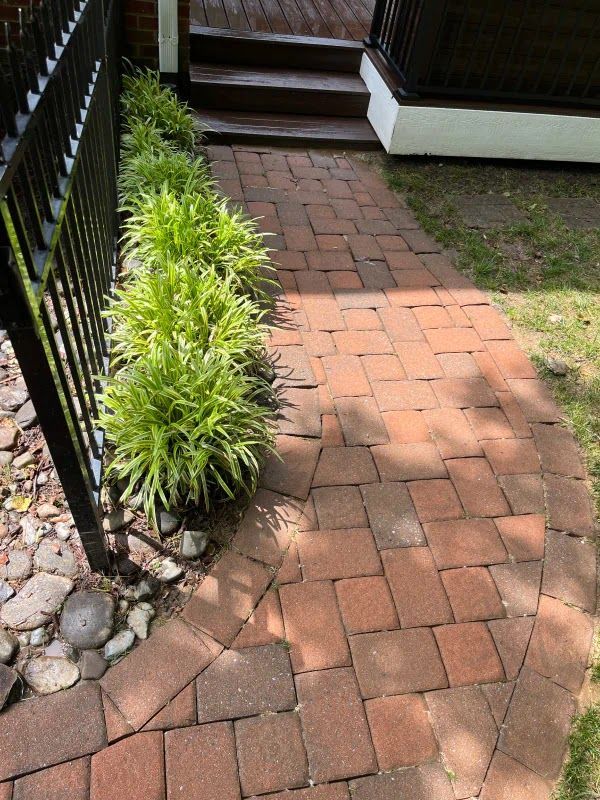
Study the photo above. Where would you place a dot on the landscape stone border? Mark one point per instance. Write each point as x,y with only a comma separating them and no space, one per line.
418,628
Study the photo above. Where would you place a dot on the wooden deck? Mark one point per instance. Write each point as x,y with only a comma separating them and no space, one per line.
331,19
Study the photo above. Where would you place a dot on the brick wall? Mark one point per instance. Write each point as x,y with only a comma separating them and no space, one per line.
140,29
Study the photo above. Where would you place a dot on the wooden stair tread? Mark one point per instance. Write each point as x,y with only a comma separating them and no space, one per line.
277,78
247,126
217,45
276,38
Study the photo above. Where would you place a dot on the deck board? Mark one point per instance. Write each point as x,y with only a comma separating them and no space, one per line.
298,24
332,19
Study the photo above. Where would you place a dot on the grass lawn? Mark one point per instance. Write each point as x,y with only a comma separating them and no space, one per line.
546,278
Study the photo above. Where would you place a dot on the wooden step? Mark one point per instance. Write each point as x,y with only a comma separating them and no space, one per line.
288,129
277,89
215,45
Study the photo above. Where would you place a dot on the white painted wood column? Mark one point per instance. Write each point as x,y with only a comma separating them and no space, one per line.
168,37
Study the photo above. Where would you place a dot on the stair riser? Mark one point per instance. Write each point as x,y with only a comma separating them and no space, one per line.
279,140
289,101
212,50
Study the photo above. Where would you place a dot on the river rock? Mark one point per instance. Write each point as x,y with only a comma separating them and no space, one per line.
23,461
167,522
48,511
13,397
26,416
86,621
127,566
145,588
6,591
32,607
193,544
9,436
39,637
29,533
11,686
119,644
139,618
61,649
92,666
169,571
9,644
117,519
62,563
48,674
6,458
18,566
63,531
557,365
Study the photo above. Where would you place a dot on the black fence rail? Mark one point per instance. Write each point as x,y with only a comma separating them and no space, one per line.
58,228
519,51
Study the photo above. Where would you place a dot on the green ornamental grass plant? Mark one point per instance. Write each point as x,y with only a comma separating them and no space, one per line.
146,102
187,408
148,170
187,426
155,307
168,226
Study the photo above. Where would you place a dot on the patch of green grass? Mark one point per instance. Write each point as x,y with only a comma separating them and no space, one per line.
581,775
544,276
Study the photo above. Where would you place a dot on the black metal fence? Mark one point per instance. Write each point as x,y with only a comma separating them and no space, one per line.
58,228
519,51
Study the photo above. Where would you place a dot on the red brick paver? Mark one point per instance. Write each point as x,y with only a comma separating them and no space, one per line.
201,762
335,727
392,620
69,781
132,768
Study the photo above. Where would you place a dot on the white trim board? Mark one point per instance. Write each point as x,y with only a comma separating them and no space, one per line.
428,130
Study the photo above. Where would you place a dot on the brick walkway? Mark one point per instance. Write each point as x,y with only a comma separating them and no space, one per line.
422,639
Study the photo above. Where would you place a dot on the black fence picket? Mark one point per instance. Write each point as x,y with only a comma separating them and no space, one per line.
58,229
538,52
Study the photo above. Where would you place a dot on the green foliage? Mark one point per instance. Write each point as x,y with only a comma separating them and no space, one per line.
198,228
139,137
171,304
145,101
581,774
187,409
148,170
187,426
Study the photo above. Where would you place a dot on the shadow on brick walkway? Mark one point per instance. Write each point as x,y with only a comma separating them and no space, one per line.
395,619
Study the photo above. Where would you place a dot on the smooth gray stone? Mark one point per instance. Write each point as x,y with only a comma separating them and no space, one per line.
86,621
35,603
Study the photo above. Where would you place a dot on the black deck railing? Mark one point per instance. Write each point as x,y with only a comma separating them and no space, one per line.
544,52
58,228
